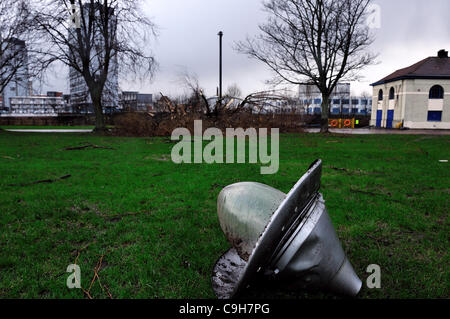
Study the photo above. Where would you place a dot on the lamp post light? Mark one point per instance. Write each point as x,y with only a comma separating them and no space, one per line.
288,239
220,34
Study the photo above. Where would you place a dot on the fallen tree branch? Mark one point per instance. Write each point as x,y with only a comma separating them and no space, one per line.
110,217
87,293
77,148
107,291
338,168
96,277
357,172
375,194
42,181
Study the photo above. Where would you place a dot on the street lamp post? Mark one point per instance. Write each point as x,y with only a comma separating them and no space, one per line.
220,34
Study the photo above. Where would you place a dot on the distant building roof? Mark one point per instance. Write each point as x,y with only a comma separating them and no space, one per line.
429,68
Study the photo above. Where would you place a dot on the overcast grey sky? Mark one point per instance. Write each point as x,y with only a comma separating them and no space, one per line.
410,31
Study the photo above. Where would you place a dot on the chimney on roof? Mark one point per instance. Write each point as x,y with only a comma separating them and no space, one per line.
443,54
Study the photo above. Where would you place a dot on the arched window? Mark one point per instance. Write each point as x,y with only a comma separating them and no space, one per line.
391,94
437,92
435,104
380,95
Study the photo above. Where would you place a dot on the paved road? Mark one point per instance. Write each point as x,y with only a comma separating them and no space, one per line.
361,131
51,131
366,131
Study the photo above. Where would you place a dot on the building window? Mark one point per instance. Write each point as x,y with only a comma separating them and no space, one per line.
336,101
317,101
437,92
380,95
391,94
434,116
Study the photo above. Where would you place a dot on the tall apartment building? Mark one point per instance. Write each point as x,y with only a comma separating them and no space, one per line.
80,98
19,83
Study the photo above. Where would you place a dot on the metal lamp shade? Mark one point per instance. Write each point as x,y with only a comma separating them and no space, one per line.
286,238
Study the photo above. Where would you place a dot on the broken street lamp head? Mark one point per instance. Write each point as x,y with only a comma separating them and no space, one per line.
286,238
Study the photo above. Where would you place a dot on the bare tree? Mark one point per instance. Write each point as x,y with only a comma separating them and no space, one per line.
258,102
344,99
313,41
263,102
233,91
366,96
96,39
14,27
197,99
306,92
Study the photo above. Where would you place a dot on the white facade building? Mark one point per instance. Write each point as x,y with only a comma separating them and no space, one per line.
135,101
311,99
52,104
37,105
416,97
356,105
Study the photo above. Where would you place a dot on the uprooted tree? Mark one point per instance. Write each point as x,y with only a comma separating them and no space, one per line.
232,103
96,39
257,110
318,42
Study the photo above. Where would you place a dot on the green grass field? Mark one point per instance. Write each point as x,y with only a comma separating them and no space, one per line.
153,224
